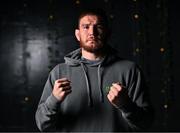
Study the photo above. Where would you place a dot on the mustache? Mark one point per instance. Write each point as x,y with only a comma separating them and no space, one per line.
92,38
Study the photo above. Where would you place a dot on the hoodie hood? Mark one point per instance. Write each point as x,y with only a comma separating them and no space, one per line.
75,59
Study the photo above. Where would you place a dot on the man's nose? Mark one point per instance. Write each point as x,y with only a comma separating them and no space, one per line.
92,30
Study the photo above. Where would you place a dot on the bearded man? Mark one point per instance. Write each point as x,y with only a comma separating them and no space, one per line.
94,90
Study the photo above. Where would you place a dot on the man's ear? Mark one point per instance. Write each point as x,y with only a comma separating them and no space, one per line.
77,34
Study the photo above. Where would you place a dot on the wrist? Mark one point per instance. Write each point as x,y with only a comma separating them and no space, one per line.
52,102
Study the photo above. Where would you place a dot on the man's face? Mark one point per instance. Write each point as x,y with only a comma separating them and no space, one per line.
91,33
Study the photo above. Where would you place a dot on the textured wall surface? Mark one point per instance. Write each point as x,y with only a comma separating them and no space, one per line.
35,36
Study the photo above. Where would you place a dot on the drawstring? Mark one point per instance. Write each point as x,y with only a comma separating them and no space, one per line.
99,83
87,86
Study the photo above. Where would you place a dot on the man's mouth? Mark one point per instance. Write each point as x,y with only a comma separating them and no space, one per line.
91,40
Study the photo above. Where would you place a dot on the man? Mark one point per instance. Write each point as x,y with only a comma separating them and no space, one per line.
94,90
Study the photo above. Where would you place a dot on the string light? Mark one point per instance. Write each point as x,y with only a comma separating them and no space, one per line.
137,50
162,50
77,2
136,16
166,51
111,16
51,17
165,106
26,99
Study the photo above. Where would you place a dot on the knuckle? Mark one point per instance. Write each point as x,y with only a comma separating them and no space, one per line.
109,97
112,97
54,88
110,100
56,81
59,83
62,94
115,94
61,89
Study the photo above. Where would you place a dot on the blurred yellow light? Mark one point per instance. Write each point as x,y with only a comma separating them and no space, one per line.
137,49
111,16
51,17
26,98
136,16
162,49
165,106
77,2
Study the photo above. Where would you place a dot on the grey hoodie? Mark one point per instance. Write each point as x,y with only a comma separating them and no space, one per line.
87,108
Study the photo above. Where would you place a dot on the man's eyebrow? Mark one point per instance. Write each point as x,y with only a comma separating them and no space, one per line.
85,24
90,24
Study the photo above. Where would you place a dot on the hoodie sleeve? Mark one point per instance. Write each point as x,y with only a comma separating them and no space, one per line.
47,110
137,111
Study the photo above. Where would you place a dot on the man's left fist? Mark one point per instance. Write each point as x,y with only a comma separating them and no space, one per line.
117,95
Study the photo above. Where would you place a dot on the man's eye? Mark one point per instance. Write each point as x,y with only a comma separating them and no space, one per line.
85,27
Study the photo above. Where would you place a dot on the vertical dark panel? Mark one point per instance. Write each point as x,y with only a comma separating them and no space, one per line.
174,20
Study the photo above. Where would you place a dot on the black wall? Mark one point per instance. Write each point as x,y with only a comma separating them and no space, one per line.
35,35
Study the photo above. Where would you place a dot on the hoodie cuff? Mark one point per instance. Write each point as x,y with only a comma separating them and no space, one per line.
52,102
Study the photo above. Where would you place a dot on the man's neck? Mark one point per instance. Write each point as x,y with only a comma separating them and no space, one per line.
92,56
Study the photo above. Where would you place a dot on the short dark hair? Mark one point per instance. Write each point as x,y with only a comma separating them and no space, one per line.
97,12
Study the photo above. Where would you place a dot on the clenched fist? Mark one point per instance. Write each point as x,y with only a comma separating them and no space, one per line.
61,88
117,95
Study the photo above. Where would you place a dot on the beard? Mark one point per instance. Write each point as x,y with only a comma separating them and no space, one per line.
92,47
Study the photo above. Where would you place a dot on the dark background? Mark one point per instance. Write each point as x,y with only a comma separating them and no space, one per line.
35,35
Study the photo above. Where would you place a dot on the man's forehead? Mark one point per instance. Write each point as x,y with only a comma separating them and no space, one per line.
89,19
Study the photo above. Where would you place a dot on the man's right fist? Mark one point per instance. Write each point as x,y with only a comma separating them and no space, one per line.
61,88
